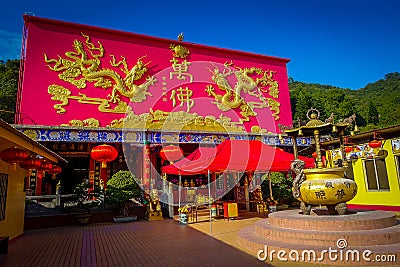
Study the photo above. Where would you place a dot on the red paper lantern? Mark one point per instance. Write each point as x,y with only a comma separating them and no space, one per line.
31,163
348,149
45,166
104,153
171,153
375,144
13,155
55,170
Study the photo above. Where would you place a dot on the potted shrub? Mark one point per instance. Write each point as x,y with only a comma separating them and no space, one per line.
121,189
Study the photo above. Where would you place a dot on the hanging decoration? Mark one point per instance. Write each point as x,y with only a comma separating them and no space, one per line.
30,163
375,144
171,153
104,153
54,171
45,166
348,149
13,155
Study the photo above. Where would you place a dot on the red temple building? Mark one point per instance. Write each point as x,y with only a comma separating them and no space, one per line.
83,86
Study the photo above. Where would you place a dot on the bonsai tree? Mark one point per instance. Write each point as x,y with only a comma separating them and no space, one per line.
121,188
84,200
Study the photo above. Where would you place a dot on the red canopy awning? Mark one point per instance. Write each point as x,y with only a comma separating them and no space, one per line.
236,155
200,155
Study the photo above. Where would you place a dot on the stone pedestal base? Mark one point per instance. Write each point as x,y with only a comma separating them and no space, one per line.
310,238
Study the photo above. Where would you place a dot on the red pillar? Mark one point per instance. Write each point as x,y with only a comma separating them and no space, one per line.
39,179
146,167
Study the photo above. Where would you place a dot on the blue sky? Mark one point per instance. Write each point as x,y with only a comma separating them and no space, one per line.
344,43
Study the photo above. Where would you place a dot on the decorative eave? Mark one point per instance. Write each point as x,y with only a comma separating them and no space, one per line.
140,136
324,128
315,126
13,135
365,137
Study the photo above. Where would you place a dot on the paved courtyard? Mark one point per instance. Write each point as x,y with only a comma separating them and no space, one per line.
141,243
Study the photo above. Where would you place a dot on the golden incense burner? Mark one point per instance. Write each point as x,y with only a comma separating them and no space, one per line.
321,185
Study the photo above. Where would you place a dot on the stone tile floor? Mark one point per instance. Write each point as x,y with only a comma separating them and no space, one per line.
140,243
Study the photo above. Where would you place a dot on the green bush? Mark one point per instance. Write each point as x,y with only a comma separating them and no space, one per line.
121,188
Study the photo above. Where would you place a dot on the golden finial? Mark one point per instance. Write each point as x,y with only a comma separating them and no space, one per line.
180,37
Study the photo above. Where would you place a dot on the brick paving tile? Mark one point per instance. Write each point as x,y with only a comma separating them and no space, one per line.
140,243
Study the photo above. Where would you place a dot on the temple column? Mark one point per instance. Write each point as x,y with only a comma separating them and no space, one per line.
246,193
147,186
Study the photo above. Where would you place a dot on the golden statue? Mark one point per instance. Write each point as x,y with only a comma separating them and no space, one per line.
154,212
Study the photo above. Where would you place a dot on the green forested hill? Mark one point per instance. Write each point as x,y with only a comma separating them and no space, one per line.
384,96
376,106
8,89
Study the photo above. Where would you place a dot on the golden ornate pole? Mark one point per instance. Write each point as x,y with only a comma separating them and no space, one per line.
271,196
318,149
295,150
342,149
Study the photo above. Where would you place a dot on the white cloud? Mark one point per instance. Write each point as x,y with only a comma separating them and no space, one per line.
10,45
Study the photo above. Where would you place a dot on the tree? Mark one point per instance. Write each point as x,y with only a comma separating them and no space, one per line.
393,76
373,116
302,104
120,189
9,72
281,187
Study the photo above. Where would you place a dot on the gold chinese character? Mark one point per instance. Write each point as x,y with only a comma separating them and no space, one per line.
183,95
180,70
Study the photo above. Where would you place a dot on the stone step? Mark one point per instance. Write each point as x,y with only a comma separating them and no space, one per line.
382,236
360,220
250,241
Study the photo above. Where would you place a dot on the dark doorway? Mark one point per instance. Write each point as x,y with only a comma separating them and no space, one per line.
74,172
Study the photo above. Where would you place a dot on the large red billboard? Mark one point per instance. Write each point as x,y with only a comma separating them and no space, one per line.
82,75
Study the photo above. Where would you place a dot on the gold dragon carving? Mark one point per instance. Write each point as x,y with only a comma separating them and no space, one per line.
232,97
82,66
